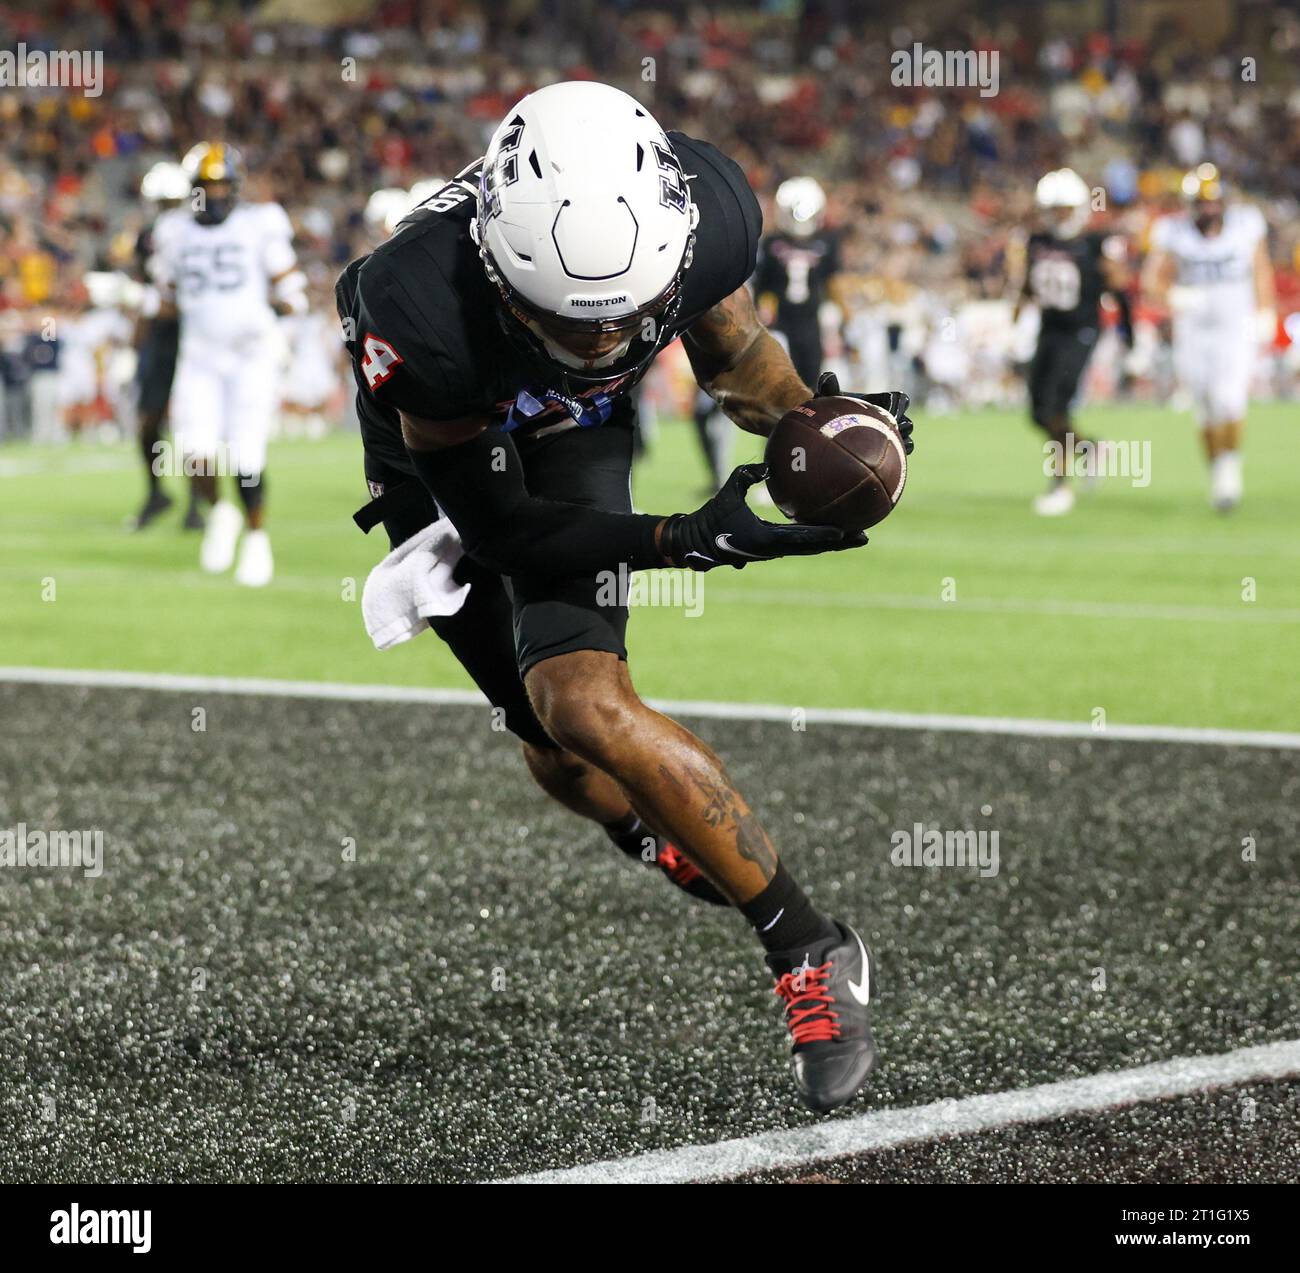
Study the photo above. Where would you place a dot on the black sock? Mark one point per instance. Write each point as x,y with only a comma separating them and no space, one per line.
146,448
634,838
784,918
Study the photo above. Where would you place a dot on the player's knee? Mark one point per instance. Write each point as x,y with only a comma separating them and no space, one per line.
590,724
252,491
588,714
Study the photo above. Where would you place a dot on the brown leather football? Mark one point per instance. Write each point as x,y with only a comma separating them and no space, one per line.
836,462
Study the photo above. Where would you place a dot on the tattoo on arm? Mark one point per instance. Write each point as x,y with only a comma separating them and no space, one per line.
742,365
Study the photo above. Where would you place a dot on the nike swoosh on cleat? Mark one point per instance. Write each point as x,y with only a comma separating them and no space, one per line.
724,542
862,993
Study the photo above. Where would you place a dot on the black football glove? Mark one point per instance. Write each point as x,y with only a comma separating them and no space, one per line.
724,532
893,401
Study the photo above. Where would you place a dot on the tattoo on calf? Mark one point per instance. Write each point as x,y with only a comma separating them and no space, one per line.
670,777
723,809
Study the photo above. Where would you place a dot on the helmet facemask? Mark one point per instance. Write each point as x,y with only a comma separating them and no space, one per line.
1203,189
219,199
215,171
541,335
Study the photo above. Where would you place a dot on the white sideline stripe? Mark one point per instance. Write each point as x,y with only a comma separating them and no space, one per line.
863,717
1048,607
886,1128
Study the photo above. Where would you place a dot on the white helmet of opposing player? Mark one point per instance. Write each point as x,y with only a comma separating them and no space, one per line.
800,202
425,189
586,226
1065,195
165,183
385,208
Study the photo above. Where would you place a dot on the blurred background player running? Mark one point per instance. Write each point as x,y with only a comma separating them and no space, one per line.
1210,265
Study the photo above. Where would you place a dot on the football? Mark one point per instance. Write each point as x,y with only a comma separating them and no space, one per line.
836,461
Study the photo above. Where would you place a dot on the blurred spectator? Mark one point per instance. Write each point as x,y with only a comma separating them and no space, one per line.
931,186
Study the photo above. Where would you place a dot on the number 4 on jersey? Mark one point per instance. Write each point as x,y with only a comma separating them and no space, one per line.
379,361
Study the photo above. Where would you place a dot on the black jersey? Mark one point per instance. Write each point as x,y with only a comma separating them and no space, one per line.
1064,276
796,271
420,316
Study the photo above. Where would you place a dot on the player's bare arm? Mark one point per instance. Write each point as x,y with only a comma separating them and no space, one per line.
1265,288
742,365
1114,269
1158,275
289,292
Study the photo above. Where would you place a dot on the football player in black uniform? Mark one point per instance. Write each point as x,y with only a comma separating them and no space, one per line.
494,340
795,266
165,186
1066,272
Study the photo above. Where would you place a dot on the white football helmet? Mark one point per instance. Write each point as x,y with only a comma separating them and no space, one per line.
385,208
586,226
800,202
1064,195
165,183
425,189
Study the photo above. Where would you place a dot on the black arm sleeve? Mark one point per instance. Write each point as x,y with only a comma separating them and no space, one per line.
479,485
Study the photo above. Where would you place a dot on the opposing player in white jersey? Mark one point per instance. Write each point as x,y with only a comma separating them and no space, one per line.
228,269
1210,265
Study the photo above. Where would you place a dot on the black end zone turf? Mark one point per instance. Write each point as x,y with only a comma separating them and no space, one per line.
490,988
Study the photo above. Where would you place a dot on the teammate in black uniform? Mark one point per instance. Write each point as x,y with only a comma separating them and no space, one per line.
495,338
1066,272
157,342
796,264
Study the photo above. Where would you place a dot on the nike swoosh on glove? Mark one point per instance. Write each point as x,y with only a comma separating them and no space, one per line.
892,400
725,532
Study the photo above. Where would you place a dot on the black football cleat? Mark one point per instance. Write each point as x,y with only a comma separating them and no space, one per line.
154,507
826,988
193,519
686,875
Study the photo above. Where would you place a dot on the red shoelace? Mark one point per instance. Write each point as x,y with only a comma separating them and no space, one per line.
809,1011
678,869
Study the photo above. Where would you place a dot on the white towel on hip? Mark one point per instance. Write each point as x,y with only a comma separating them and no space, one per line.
412,584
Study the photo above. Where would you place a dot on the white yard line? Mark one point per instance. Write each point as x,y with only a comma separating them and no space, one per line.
722,711
1047,607
886,1128
1242,612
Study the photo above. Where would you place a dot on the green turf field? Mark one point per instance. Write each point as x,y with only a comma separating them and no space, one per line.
1134,604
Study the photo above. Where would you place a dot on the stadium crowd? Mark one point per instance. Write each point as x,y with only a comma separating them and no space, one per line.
931,188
